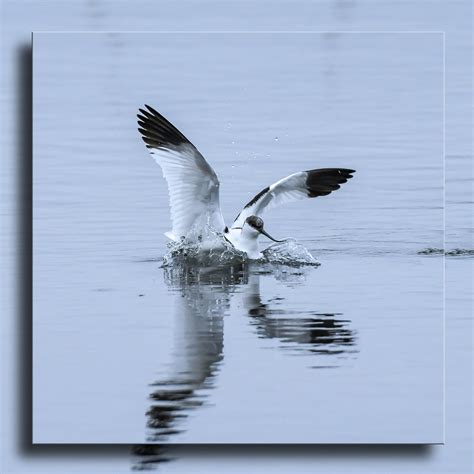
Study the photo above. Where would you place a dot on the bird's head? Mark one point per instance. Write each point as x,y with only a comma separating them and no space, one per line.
255,226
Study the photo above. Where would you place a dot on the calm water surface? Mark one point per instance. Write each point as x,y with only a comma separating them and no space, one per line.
350,351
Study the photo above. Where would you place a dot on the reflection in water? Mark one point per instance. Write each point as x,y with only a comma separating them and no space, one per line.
149,456
202,298
322,335
304,331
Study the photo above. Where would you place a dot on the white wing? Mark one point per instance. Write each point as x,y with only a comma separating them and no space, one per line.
302,185
192,183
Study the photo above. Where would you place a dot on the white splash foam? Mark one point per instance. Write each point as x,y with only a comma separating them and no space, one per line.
211,248
206,249
290,252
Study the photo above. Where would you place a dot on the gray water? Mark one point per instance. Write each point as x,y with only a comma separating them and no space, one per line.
351,351
20,18
348,352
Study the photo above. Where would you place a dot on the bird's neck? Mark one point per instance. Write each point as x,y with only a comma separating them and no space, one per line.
245,240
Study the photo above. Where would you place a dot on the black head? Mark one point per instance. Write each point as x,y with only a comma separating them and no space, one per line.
255,222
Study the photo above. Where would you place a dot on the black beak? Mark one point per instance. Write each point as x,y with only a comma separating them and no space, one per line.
269,236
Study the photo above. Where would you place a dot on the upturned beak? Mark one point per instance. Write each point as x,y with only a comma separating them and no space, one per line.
266,234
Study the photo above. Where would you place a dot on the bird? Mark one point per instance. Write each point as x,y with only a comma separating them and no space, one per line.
193,187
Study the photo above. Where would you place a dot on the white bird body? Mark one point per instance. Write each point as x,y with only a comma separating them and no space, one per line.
244,239
193,188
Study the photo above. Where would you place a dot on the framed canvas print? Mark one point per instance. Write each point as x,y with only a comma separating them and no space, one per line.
235,237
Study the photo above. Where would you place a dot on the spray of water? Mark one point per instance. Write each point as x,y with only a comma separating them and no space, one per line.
211,248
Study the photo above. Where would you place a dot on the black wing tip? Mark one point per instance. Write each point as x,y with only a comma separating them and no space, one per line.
157,131
152,110
321,182
332,171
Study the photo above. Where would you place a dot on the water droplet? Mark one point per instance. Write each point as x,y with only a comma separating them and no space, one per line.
276,139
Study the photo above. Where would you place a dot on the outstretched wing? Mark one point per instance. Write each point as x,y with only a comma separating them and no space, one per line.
192,184
305,184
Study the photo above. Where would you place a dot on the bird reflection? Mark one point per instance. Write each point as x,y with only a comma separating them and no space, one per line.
203,296
306,332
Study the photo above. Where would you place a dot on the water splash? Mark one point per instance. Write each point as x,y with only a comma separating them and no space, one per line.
290,252
208,248
211,248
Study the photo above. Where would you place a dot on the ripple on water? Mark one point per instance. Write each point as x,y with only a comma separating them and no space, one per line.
448,253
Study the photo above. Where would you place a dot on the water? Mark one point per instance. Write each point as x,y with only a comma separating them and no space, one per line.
348,351
23,17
